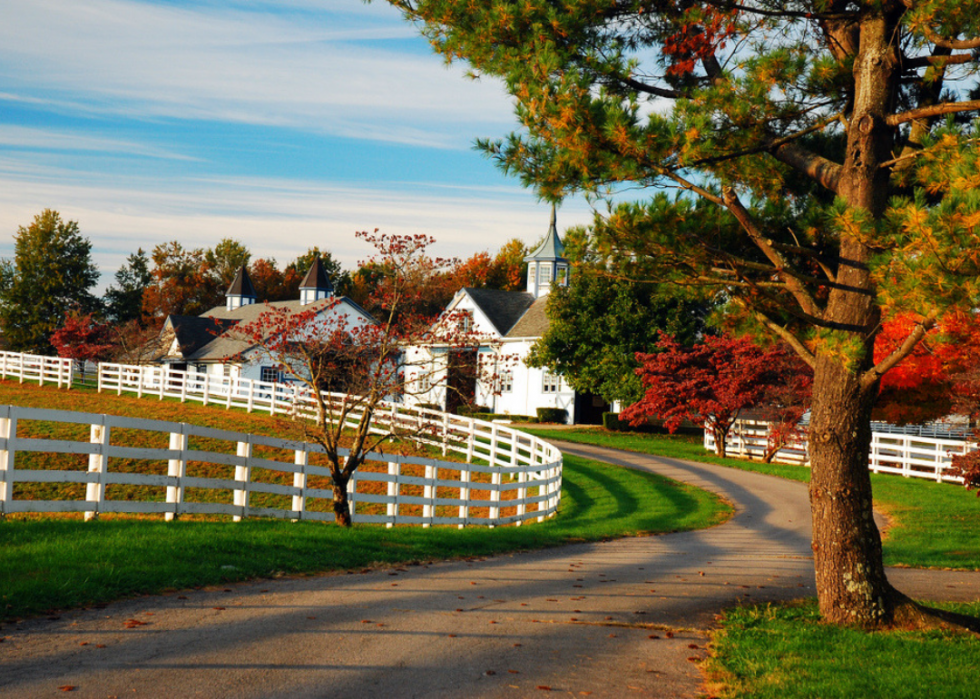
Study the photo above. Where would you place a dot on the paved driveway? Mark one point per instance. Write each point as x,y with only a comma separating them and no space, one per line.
614,619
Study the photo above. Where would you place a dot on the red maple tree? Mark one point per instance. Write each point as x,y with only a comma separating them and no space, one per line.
711,382
82,338
351,368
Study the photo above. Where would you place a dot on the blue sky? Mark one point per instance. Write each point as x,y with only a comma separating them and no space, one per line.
281,123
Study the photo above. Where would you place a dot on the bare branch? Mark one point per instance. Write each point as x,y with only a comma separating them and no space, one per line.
904,350
933,111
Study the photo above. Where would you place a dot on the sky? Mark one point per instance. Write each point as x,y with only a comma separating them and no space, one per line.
283,124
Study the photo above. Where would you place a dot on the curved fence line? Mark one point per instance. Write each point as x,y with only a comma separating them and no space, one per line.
397,490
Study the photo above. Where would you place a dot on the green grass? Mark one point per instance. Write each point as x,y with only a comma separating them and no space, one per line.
931,525
58,563
785,652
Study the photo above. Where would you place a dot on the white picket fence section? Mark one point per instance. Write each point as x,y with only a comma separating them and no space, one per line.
916,451
517,462
33,367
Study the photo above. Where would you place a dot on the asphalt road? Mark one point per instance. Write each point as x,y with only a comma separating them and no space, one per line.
614,619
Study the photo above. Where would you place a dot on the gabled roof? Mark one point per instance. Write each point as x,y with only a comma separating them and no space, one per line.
194,332
222,345
242,286
552,248
317,277
534,323
502,308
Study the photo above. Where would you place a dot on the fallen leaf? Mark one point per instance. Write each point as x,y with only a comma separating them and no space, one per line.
452,635
544,688
490,672
83,643
654,636
517,645
514,672
67,688
311,617
100,645
693,646
669,634
220,609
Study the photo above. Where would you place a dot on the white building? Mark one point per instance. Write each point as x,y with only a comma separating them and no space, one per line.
511,322
208,344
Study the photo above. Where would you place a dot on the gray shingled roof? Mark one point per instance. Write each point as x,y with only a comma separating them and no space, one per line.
195,332
206,337
534,323
317,277
503,308
242,286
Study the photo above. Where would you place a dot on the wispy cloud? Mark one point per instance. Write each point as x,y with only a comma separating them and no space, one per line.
68,140
273,217
328,72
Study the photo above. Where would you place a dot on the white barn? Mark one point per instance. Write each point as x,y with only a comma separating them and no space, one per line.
511,322
207,344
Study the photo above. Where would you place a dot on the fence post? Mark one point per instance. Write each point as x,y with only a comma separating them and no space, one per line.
428,493
470,440
521,496
98,463
494,498
301,459
445,432
351,491
243,474
177,469
394,490
8,433
464,495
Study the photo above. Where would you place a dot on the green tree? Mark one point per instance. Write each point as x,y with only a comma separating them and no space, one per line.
822,132
52,273
296,271
124,301
603,318
223,261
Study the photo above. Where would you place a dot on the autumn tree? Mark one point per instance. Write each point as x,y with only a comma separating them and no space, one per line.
828,173
350,367
296,271
710,383
52,272
83,338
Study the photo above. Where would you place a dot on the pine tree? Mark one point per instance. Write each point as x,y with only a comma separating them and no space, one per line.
826,172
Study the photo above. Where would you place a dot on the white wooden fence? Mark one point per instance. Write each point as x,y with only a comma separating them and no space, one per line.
33,367
445,493
919,451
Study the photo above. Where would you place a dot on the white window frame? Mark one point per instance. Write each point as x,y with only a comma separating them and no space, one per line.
550,382
266,371
507,381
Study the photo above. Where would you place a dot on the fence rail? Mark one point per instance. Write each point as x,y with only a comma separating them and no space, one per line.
33,367
918,452
521,482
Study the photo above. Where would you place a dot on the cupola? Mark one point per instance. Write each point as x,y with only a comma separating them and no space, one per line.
241,292
545,265
316,285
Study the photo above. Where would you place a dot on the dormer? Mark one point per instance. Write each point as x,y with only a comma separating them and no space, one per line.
545,265
241,292
316,285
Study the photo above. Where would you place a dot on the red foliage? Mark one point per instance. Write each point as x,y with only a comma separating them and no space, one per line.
937,378
82,338
700,32
710,383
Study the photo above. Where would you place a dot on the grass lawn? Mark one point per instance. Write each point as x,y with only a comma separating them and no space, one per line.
60,562
785,652
917,508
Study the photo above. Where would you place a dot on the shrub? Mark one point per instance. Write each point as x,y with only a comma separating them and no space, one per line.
552,415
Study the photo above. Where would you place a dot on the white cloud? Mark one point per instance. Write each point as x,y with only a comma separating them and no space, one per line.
274,218
68,141
335,73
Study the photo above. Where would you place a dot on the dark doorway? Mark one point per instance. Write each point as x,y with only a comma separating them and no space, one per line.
460,379
589,409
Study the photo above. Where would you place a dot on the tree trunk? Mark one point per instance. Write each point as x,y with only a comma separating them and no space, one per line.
850,574
341,505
